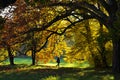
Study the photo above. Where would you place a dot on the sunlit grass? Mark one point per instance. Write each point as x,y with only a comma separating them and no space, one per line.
51,78
107,77
19,60
28,61
25,72
67,71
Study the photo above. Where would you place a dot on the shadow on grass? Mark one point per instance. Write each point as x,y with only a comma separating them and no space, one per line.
30,73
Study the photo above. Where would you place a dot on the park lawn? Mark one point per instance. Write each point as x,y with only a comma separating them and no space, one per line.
67,71
19,60
28,61
26,72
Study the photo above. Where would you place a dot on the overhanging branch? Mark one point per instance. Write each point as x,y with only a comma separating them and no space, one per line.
72,24
83,5
57,18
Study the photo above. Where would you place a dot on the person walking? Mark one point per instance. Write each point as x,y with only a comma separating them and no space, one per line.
58,61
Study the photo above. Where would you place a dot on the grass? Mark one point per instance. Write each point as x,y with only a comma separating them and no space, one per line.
28,61
23,72
49,71
19,60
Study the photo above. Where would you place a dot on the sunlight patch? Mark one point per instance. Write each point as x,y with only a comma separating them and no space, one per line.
51,78
108,77
81,73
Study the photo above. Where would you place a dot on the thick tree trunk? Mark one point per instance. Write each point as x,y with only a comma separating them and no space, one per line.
11,57
116,56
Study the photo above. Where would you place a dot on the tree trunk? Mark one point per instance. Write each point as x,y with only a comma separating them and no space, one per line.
103,57
102,43
116,56
33,57
11,57
33,49
104,61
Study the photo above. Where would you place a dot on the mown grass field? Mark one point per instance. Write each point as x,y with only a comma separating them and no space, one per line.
49,71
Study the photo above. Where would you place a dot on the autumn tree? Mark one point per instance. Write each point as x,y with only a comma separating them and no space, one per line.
5,32
10,33
9,39
108,19
28,18
83,10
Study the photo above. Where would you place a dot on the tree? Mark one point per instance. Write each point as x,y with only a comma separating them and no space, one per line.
8,40
6,37
108,19
83,10
37,44
9,35
88,10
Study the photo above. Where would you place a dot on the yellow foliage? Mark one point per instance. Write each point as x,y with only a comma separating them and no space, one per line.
3,54
29,53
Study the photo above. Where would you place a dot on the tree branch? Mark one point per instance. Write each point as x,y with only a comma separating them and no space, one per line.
104,4
59,17
72,24
45,42
83,5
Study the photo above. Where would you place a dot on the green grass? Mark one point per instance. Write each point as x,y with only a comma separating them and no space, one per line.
24,72
19,60
67,71
28,61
